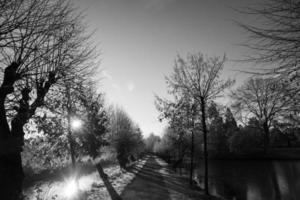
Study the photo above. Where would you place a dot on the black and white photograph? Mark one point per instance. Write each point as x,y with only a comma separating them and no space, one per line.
149,99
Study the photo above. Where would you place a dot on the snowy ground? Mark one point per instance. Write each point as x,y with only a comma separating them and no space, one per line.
118,179
91,185
147,179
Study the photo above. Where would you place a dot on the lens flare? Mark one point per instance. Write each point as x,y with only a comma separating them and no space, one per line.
70,188
76,123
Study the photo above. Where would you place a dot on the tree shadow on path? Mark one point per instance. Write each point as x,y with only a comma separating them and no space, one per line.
148,184
111,190
156,181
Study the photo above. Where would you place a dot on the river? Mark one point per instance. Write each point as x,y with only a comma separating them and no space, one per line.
253,180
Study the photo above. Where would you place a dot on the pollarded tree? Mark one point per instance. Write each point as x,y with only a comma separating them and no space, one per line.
46,44
265,99
199,77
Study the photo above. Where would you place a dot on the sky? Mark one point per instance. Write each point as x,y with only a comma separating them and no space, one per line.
139,40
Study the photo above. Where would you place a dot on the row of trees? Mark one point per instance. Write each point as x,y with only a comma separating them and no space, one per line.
265,105
47,62
49,132
106,132
227,139
43,48
125,136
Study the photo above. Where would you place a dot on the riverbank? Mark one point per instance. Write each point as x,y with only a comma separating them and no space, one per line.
249,179
148,178
54,184
258,154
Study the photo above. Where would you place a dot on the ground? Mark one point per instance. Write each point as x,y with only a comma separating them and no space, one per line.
156,181
148,179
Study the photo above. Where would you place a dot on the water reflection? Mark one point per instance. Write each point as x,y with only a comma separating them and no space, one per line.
254,180
253,192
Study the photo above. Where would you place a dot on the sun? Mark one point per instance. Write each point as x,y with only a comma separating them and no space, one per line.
70,188
76,123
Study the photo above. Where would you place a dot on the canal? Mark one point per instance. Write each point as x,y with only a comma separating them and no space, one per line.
253,179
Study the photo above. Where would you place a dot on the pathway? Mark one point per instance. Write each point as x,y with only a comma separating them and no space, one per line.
155,181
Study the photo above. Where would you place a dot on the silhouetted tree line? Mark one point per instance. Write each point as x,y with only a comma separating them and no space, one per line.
47,63
265,108
266,105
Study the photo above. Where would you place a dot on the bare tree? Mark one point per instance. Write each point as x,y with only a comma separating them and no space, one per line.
12,17
264,99
199,77
40,48
275,38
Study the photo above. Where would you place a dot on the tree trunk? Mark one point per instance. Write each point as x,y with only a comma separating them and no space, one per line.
12,139
289,144
266,137
11,161
179,155
11,144
205,146
70,138
192,159
11,174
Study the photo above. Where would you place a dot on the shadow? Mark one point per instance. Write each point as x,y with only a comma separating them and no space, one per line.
148,183
171,181
111,190
157,180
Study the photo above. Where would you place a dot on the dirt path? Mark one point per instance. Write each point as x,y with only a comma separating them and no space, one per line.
155,181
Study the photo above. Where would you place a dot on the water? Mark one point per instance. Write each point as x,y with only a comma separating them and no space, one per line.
253,180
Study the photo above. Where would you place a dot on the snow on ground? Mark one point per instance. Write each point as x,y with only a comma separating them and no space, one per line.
91,185
118,179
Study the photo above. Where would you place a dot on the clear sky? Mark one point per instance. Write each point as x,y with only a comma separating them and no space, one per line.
139,40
